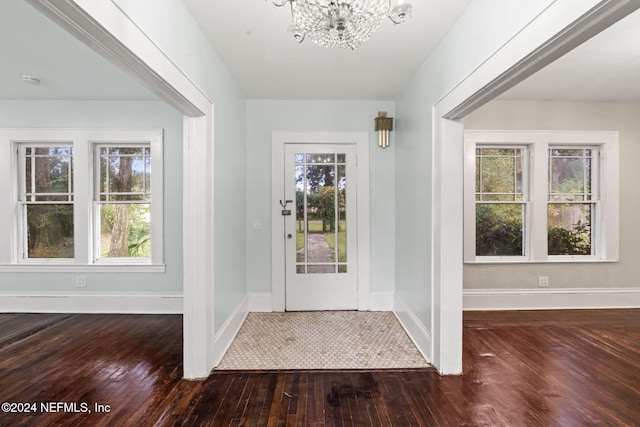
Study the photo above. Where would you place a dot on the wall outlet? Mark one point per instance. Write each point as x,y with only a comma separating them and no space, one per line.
543,281
81,281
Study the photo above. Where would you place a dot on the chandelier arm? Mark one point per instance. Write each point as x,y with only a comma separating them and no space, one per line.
280,3
395,21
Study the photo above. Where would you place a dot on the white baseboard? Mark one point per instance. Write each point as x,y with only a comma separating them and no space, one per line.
413,327
54,302
229,330
550,299
260,302
381,301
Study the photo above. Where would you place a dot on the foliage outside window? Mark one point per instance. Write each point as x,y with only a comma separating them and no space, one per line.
500,201
46,199
538,196
571,205
124,202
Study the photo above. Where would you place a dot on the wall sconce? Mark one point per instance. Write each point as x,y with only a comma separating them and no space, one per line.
384,125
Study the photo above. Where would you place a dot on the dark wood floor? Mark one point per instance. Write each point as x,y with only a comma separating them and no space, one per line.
561,368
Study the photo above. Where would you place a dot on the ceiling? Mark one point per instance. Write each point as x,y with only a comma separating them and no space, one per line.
605,68
32,44
251,37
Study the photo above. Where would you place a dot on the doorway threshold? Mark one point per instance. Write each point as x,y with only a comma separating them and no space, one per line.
322,340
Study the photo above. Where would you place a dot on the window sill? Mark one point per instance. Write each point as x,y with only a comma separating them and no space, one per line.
93,268
550,261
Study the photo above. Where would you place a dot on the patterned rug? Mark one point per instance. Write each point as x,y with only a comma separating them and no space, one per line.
322,340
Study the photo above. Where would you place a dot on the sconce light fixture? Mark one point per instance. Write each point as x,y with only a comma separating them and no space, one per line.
384,125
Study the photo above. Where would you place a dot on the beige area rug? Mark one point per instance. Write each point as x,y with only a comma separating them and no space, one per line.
322,340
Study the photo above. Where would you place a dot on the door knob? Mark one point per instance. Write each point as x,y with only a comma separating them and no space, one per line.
289,236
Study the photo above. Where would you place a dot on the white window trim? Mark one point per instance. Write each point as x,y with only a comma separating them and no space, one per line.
83,141
606,236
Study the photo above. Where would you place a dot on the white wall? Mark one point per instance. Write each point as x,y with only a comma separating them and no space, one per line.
176,33
265,116
557,115
485,27
121,115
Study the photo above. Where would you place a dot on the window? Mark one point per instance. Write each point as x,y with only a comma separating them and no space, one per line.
501,201
46,200
541,196
83,198
572,200
123,202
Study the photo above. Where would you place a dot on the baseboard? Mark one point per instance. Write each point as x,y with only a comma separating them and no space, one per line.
260,302
229,330
54,302
413,327
550,299
381,301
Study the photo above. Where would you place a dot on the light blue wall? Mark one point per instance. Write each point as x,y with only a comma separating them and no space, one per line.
118,115
174,30
265,116
484,27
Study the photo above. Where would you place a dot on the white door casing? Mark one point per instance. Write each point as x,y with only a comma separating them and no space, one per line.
358,140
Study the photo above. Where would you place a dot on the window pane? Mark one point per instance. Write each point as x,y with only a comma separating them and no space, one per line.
499,229
125,230
48,172
125,174
569,174
499,173
569,228
50,231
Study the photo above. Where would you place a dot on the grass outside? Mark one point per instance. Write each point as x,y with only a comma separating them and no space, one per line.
315,226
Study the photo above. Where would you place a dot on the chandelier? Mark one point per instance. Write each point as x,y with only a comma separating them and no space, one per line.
341,23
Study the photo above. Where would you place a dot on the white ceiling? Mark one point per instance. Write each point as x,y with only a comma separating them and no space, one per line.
251,37
253,40
32,44
605,68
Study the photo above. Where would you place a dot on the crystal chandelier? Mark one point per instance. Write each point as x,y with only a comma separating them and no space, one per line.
342,23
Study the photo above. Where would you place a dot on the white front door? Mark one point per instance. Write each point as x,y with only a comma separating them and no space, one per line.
320,231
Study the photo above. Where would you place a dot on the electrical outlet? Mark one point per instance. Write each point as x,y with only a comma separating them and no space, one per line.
81,281
543,281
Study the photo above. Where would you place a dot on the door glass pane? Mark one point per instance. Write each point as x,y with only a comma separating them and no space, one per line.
322,269
321,158
320,212
300,212
342,213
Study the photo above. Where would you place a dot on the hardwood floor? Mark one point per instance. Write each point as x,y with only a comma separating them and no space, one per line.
556,368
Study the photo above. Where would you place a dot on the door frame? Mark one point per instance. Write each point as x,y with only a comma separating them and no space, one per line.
278,141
